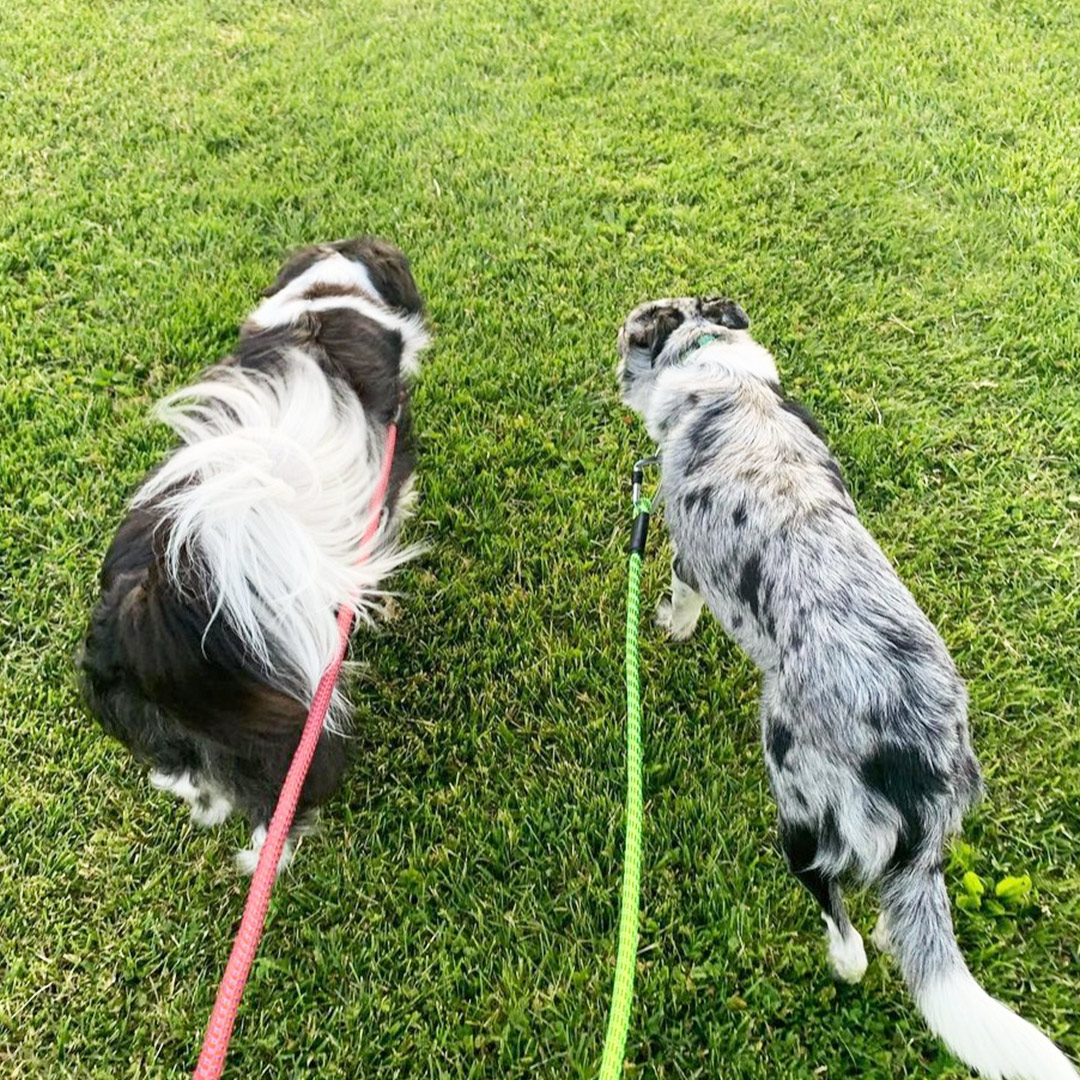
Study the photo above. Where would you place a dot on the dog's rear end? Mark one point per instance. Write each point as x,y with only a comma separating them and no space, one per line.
219,592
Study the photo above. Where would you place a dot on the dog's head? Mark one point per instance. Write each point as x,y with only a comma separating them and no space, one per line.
356,300
660,333
364,263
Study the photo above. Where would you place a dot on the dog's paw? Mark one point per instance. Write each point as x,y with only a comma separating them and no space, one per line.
847,955
247,859
178,784
879,936
678,625
210,810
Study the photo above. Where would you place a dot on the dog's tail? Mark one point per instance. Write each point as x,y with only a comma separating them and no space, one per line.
265,504
981,1031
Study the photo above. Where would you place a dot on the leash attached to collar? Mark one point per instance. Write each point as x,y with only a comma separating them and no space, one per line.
219,1029
622,995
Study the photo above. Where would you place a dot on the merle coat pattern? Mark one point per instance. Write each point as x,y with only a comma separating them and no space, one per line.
863,715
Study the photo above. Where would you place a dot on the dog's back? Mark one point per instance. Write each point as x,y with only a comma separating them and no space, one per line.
858,685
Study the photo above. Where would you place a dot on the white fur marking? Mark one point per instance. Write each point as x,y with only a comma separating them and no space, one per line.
288,304
988,1035
846,952
247,859
679,615
332,269
211,809
879,936
178,784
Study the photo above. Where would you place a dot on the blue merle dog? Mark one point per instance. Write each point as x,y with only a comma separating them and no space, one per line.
863,715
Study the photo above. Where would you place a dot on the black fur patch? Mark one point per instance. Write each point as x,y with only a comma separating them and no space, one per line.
799,844
802,844
703,430
323,289
796,638
750,583
684,573
829,833
780,740
702,497
738,516
801,412
903,777
836,475
901,643
724,312
972,774
653,335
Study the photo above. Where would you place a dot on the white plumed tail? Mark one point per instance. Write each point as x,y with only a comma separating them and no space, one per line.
271,494
981,1031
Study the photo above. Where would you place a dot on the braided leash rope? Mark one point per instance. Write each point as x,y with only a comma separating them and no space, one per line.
219,1030
622,994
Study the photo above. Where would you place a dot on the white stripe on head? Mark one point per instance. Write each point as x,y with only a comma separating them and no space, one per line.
289,303
332,268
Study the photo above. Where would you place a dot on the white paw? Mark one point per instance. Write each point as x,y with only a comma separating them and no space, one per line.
847,956
678,625
211,811
247,859
879,936
178,784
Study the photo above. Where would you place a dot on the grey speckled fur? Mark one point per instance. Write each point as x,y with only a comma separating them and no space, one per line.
863,715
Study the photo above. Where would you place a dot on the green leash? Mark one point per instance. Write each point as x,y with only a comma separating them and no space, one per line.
622,995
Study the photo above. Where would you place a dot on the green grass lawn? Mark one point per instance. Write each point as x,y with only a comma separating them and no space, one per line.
893,195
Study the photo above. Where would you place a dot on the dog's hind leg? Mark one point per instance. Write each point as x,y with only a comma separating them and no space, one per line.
847,956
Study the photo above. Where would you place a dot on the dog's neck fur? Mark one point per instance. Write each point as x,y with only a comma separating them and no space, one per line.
735,358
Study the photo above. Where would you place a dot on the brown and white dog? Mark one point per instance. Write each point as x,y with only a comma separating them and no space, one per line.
219,592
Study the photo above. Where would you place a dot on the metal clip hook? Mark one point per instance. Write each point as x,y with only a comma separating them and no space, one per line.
639,475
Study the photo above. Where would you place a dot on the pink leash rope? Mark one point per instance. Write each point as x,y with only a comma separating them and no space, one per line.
219,1029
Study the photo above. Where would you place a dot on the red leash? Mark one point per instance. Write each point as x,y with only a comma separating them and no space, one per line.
219,1030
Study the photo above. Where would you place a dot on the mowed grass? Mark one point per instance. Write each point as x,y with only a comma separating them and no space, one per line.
891,191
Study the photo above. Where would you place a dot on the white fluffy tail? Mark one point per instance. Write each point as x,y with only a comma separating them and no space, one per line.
266,502
981,1031
987,1035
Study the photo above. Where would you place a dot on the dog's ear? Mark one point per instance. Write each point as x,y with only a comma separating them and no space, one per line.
652,332
389,270
724,312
